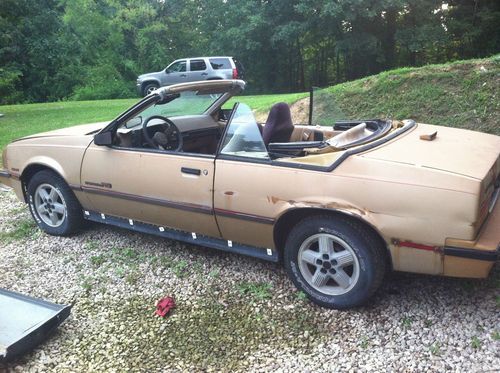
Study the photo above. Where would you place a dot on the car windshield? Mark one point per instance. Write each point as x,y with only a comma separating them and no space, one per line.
243,136
188,103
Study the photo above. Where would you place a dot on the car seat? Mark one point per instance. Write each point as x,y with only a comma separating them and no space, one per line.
279,126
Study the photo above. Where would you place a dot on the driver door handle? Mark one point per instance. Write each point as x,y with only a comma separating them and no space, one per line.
190,171
183,75
204,74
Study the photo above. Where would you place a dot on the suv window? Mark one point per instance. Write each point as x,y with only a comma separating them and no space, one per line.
198,65
177,67
220,63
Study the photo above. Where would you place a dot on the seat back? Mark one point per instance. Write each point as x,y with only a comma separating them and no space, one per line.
279,126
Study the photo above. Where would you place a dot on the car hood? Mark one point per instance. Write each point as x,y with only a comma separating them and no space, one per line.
456,151
150,75
80,130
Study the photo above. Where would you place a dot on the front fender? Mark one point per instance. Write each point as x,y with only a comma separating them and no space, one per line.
43,162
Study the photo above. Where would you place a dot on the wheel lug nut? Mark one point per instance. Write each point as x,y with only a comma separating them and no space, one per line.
333,271
319,262
325,256
322,270
334,262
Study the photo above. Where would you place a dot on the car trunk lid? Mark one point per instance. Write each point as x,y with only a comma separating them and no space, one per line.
467,153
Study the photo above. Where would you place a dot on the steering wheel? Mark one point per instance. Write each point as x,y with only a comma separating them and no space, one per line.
170,134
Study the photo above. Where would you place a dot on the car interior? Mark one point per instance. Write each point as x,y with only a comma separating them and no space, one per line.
201,133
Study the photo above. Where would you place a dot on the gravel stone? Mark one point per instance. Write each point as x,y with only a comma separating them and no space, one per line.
233,313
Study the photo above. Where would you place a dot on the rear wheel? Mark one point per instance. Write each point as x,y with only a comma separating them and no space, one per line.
338,263
53,204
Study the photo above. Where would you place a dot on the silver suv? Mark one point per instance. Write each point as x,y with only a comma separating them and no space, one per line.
190,70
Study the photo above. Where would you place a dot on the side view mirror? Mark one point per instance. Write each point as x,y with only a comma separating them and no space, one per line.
103,139
167,71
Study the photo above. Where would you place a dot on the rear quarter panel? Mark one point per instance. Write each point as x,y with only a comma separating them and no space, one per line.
395,199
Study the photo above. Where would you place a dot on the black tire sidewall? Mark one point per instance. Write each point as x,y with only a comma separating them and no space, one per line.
360,242
73,219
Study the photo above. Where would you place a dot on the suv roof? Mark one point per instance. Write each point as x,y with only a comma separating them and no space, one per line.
194,58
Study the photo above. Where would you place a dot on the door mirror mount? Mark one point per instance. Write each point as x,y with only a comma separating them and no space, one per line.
103,139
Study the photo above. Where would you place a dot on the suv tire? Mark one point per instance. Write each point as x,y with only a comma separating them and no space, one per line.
148,88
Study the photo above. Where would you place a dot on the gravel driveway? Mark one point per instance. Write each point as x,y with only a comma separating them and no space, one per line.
234,313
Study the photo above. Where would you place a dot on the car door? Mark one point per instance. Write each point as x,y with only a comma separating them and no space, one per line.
176,73
244,176
162,188
197,70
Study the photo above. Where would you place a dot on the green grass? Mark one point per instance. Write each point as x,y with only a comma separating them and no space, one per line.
435,349
461,94
23,120
22,229
258,291
263,103
475,342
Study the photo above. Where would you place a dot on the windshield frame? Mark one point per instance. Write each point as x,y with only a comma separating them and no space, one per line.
229,87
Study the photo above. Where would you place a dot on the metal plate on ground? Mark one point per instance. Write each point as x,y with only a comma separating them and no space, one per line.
26,321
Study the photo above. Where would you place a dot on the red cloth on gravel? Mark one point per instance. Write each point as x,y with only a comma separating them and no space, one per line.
164,306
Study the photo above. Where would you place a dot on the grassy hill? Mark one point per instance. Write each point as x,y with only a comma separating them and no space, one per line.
461,94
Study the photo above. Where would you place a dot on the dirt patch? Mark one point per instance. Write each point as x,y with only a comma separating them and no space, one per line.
299,111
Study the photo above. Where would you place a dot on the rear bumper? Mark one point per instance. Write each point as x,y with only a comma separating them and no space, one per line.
475,258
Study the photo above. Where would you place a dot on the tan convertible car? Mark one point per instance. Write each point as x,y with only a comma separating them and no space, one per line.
340,204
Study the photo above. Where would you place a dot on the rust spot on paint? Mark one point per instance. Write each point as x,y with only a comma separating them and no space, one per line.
229,193
273,200
342,206
331,205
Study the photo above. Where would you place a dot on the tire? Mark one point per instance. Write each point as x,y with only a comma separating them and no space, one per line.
53,204
148,87
345,271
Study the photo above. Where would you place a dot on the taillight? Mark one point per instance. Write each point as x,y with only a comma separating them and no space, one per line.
235,73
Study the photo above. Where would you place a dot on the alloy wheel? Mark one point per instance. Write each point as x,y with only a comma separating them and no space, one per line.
50,205
328,264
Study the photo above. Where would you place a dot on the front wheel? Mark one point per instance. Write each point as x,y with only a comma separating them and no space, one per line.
339,263
53,204
150,87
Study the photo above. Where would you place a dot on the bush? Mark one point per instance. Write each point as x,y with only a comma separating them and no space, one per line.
10,86
103,82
